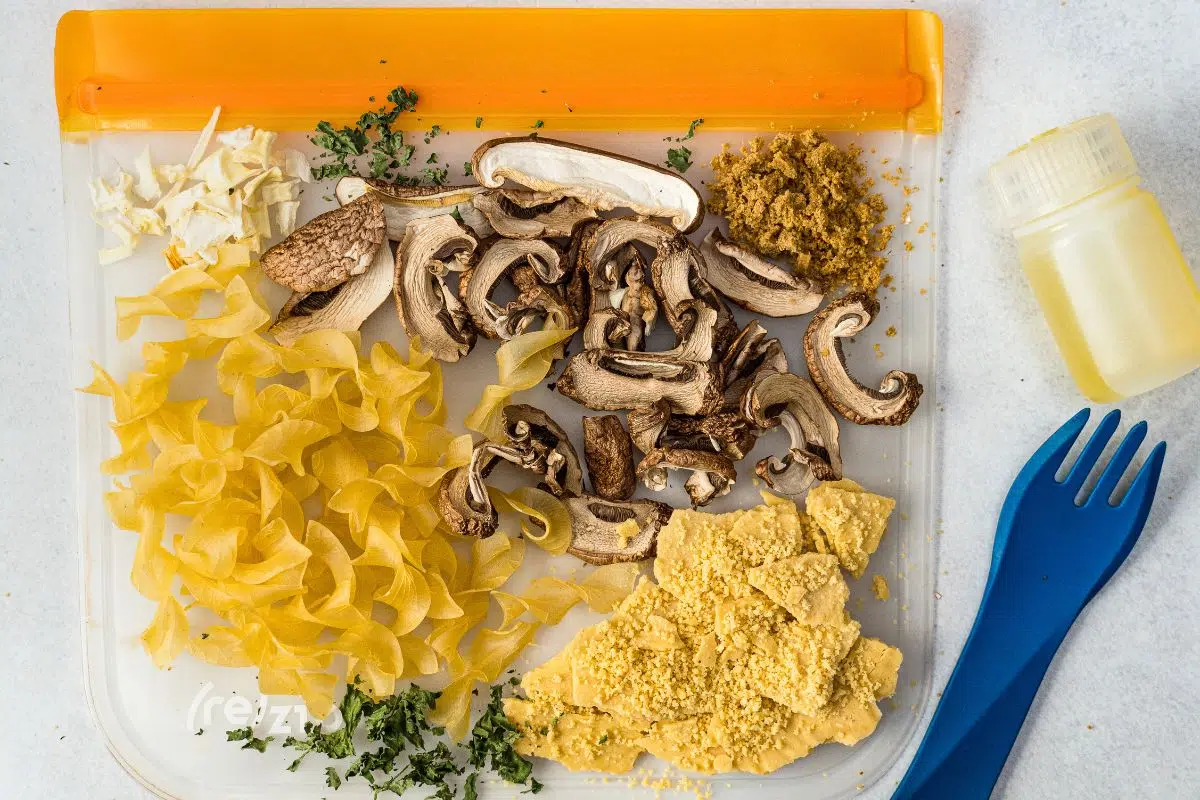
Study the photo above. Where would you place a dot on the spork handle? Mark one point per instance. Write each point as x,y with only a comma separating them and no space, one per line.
980,713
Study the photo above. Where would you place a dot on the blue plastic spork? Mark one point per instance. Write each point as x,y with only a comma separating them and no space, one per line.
1050,558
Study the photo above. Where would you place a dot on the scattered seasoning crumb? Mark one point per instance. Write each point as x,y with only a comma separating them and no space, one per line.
909,191
878,350
891,331
803,197
887,280
924,227
1091,727
879,586
924,292
906,214
908,246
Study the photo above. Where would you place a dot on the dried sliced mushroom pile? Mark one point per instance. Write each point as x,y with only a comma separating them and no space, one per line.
534,228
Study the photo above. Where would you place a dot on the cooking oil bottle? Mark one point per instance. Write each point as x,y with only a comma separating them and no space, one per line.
1119,298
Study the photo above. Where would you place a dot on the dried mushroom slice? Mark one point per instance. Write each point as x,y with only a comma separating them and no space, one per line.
499,258
750,353
462,499
545,448
783,399
610,380
431,247
899,392
329,250
623,305
526,214
724,432
648,424
712,473
677,275
344,307
755,283
609,532
403,203
608,452
601,180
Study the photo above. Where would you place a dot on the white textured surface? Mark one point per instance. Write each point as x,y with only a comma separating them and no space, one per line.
1129,668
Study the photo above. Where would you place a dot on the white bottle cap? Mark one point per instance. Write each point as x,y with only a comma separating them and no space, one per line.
1060,167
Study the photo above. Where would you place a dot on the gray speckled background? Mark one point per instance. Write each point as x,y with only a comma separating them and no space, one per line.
1129,669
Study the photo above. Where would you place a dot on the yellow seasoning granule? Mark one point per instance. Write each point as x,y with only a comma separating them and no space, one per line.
880,588
802,197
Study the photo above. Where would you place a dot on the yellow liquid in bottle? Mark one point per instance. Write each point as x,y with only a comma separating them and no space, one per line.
1118,296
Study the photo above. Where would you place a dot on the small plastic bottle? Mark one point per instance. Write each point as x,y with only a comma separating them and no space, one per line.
1120,300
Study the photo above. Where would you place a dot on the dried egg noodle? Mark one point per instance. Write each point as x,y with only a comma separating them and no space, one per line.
361,438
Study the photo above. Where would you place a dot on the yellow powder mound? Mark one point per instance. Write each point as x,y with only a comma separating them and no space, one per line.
740,657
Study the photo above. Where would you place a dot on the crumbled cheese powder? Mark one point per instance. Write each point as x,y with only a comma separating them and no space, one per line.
740,657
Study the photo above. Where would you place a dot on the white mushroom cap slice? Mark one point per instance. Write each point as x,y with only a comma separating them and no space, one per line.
601,180
345,307
899,392
426,306
755,283
402,204
329,250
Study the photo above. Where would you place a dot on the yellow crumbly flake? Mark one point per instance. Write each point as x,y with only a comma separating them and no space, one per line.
740,657
810,586
880,588
852,519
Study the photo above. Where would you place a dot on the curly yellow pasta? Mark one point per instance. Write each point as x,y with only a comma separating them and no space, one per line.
372,579
522,362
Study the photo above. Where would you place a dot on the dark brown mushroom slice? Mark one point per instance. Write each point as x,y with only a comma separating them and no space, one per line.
462,499
599,179
899,392
750,353
344,307
611,380
724,432
330,249
814,453
608,452
548,449
597,525
402,203
526,214
648,423
755,283
427,307
712,474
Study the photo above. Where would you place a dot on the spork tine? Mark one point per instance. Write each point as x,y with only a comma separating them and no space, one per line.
1050,558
